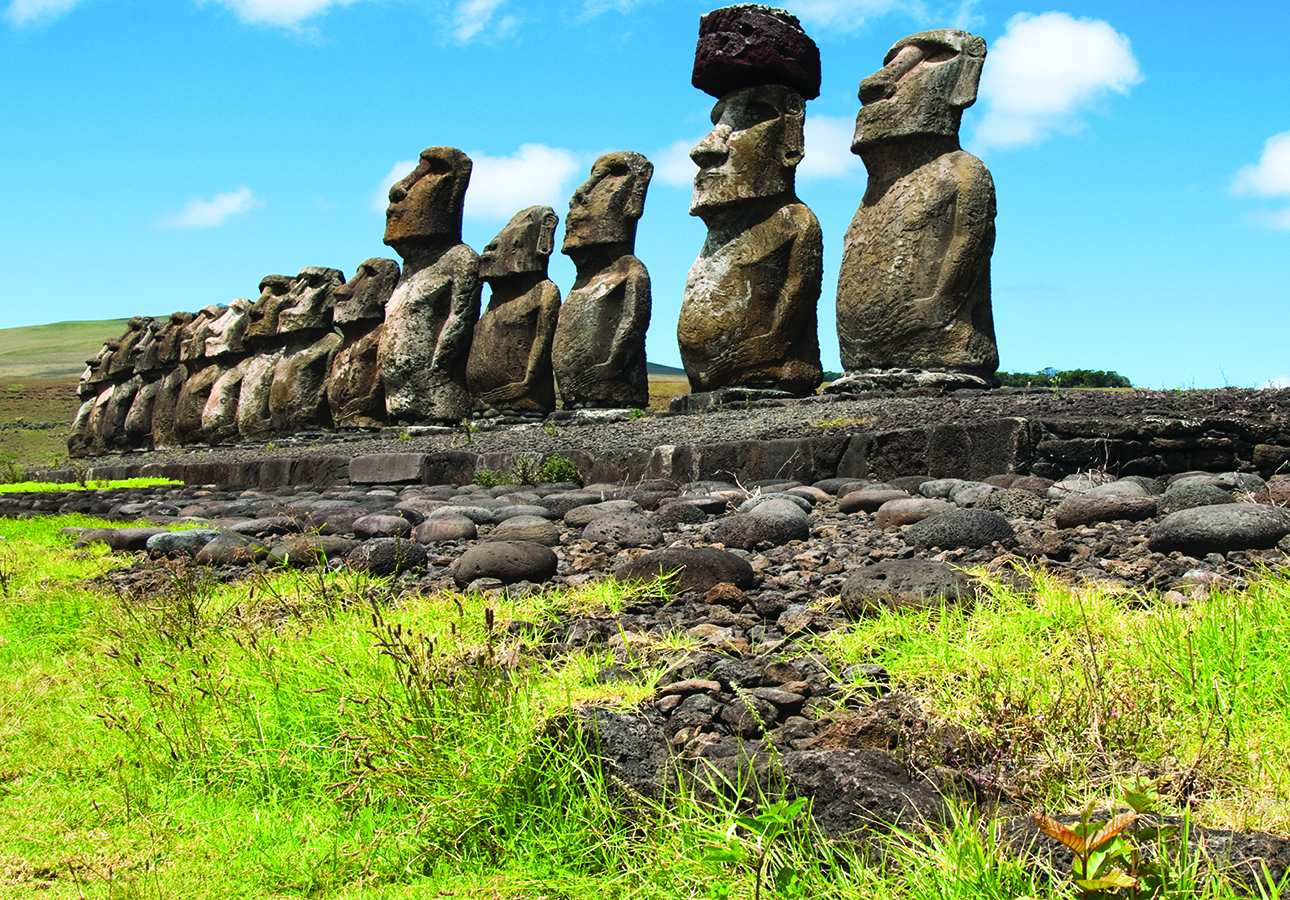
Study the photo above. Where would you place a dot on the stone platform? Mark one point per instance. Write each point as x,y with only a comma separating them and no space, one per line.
967,434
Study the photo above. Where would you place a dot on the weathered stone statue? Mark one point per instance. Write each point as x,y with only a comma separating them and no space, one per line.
253,420
171,375
431,317
226,343
509,367
354,390
126,384
203,372
748,317
298,395
599,348
95,390
914,288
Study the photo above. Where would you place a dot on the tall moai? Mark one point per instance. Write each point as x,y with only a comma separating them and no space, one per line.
914,287
171,373
748,317
95,391
599,349
509,368
226,344
202,373
125,384
430,319
354,391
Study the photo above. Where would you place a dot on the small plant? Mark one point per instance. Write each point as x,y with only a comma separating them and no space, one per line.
751,840
407,436
559,469
638,414
491,479
1109,863
549,429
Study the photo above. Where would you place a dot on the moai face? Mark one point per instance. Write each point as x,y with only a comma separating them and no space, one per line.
926,82
227,334
364,296
308,306
605,209
193,347
753,149
522,247
264,311
426,206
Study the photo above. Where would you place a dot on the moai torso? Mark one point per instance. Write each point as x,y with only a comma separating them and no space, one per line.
509,367
354,391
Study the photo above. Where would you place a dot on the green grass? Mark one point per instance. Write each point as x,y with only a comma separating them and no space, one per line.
55,350
300,734
24,487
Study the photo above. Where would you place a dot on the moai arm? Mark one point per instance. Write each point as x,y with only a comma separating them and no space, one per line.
548,313
453,346
797,297
637,302
971,243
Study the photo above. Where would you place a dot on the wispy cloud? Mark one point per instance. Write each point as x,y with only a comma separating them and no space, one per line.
847,16
828,148
1269,177
672,164
592,8
199,213
398,171
1044,71
501,186
471,18
1281,381
280,13
22,13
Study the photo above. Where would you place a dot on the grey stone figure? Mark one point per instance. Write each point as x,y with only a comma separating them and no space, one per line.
253,420
509,368
226,344
599,349
914,288
748,317
354,390
430,319
298,394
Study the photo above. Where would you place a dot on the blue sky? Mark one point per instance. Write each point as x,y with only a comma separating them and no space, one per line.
166,154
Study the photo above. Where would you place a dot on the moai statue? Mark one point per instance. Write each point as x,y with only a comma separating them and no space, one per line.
430,319
298,394
914,288
95,390
354,390
227,345
509,368
253,420
748,317
599,348
202,375
126,383
162,360
137,429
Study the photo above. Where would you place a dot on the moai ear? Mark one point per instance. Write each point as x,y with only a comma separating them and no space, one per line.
642,171
546,234
973,58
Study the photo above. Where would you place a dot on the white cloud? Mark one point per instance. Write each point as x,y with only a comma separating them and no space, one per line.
472,16
282,13
672,164
198,213
1044,70
845,16
501,186
1281,381
33,12
828,148
594,8
398,172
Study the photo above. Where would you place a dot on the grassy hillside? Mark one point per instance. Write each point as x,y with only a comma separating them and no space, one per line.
58,350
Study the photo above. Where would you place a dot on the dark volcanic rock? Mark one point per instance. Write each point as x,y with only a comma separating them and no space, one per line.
232,550
387,556
1191,494
1219,528
904,583
747,531
961,528
624,529
1087,509
700,567
181,543
312,549
746,45
507,561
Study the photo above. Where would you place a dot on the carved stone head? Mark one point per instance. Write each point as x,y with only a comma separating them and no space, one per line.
123,358
227,334
426,206
364,296
196,332
522,247
753,149
264,312
308,305
926,82
605,209
164,351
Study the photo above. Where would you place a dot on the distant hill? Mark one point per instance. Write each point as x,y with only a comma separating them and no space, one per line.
53,351
664,371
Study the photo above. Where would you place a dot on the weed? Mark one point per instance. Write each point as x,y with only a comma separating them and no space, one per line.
638,414
549,428
750,840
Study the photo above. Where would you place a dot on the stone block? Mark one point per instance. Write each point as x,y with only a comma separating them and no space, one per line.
388,468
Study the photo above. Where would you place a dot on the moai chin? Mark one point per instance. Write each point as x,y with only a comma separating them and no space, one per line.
509,368
914,288
599,349
354,390
748,317
430,319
